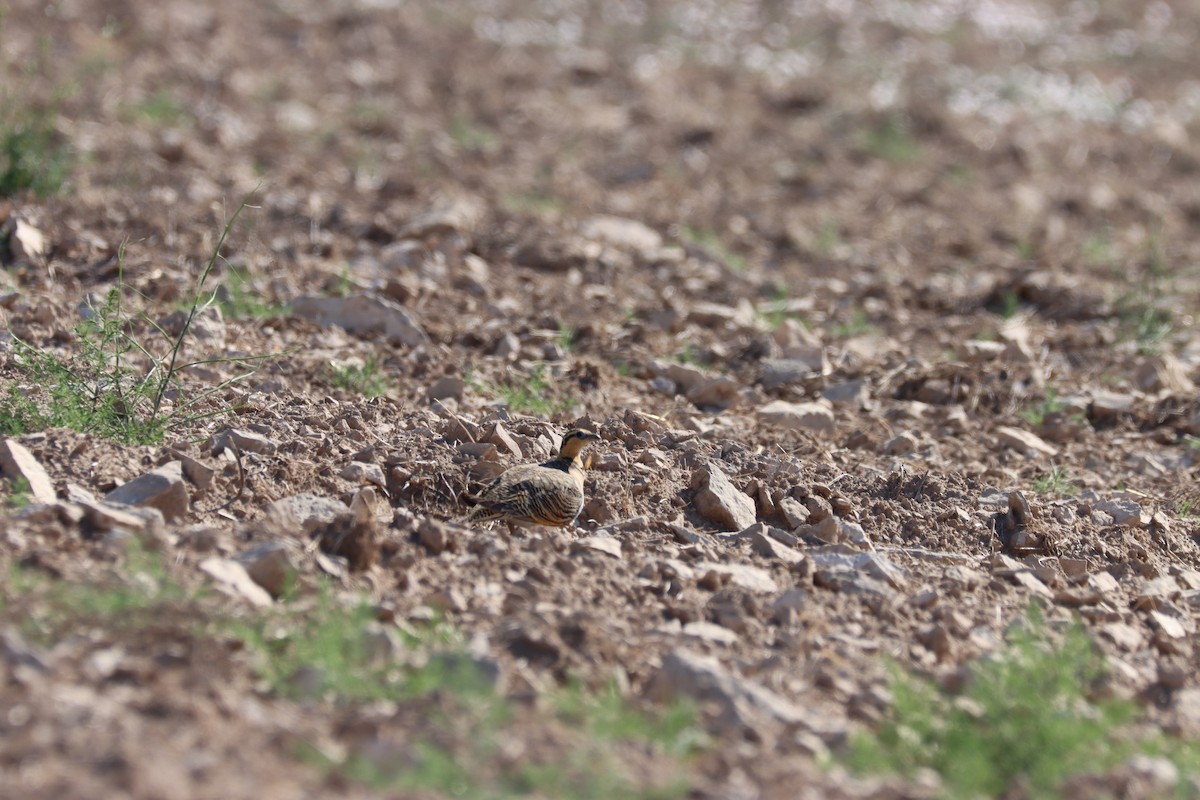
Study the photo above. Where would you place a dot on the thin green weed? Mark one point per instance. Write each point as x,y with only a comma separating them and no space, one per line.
1056,481
1036,414
710,242
115,384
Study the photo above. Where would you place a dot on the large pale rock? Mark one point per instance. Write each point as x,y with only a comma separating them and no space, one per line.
814,416
101,516
777,372
1108,405
18,463
1163,373
869,573
1024,442
363,314
753,578
744,705
270,565
361,473
309,510
698,386
717,393
461,214
766,543
1125,512
162,488
27,243
600,543
240,441
720,502
626,234
232,578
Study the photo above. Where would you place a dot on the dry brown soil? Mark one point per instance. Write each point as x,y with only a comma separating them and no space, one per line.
883,265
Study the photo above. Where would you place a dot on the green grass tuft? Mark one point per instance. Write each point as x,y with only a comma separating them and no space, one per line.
367,378
1029,717
533,393
1036,414
892,141
32,154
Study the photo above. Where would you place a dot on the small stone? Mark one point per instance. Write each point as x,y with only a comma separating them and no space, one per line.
1124,636
207,326
937,640
768,546
198,473
599,543
309,510
1031,582
1163,373
1073,567
901,444
447,386
1154,593
814,416
232,577
854,394
359,473
270,565
684,534
1124,512
788,605
1024,442
742,705
715,315
747,577
434,535
1107,406
449,599
1167,625
779,372
1189,578
1153,776
980,351
241,442
18,463
1104,583
1187,707
162,488
819,508
716,393
507,345
720,502
103,517
710,632
793,511
452,214
626,234
503,440
26,242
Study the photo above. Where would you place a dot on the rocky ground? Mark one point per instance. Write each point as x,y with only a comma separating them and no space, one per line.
884,313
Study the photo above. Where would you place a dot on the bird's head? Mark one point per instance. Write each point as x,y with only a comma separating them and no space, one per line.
574,441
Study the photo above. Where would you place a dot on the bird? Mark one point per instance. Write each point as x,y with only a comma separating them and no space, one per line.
538,494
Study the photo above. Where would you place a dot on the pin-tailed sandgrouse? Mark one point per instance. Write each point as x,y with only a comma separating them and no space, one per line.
538,494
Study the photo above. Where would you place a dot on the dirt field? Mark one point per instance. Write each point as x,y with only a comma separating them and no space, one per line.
884,313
